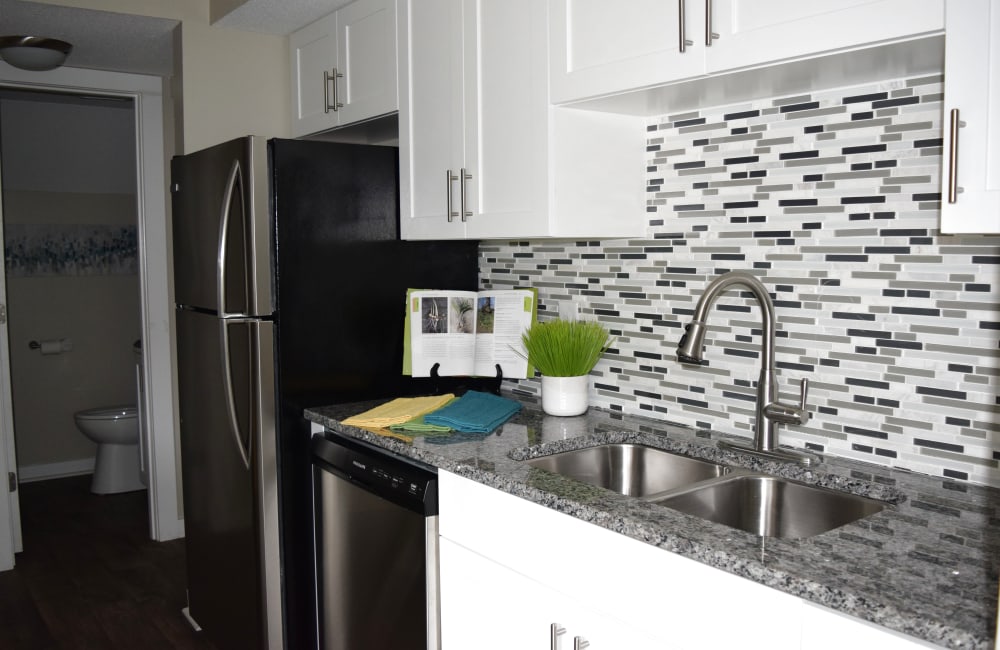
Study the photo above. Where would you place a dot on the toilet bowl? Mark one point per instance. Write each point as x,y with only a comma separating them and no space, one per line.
115,429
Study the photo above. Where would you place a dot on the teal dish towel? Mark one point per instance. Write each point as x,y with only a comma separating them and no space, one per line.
474,412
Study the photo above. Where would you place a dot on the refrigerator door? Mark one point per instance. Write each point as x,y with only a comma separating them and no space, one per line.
222,234
230,508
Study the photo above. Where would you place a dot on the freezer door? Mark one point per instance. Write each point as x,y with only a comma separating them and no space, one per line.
230,508
222,232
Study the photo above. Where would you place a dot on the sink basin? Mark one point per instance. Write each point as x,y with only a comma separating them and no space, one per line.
633,470
771,507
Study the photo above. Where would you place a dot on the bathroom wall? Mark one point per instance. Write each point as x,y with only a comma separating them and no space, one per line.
69,208
833,200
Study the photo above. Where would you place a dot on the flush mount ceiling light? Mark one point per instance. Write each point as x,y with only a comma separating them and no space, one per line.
33,52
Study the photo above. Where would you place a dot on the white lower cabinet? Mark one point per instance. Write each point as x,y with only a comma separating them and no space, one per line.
546,567
511,568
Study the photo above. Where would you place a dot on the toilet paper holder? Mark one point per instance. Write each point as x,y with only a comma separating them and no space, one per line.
52,346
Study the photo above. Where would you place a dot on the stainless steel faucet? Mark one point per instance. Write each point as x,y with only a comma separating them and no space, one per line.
770,410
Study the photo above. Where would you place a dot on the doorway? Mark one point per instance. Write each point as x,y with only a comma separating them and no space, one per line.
153,271
73,299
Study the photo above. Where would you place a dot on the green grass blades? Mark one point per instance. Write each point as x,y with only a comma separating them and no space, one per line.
565,348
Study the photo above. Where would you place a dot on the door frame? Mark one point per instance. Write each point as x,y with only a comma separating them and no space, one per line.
156,292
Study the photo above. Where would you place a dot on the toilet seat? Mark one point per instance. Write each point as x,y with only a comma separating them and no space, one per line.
108,413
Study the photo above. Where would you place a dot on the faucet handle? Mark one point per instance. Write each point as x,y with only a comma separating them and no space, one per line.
786,413
803,394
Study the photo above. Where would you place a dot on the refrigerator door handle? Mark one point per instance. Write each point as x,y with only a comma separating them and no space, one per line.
227,378
233,184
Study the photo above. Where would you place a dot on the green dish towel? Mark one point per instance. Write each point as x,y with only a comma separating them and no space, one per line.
417,427
474,412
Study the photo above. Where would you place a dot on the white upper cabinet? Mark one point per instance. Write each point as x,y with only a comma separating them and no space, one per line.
599,47
602,47
344,67
970,183
482,153
758,32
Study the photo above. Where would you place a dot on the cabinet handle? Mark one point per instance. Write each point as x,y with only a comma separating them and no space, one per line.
709,34
449,179
555,631
579,643
466,177
327,78
680,27
953,188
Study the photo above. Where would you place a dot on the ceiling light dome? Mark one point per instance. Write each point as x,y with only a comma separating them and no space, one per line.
34,52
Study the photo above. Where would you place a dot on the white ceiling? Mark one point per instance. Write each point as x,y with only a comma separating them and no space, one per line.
126,43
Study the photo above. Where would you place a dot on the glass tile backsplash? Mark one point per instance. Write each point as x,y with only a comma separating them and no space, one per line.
833,200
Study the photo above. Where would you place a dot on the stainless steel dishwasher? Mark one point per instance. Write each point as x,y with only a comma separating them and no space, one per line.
376,548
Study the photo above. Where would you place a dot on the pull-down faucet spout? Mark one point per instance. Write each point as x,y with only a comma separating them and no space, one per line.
770,410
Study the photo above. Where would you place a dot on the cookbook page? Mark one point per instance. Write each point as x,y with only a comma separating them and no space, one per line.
442,330
501,318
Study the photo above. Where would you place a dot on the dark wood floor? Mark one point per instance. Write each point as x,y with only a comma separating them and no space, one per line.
89,576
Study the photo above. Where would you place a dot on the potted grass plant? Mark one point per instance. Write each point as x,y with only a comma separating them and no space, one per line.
564,352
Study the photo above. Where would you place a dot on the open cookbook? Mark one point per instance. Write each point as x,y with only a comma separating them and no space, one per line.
467,332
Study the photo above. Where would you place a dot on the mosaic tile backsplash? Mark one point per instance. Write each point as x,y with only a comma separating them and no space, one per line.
832,199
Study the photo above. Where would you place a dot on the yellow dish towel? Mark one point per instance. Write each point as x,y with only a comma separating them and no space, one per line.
398,411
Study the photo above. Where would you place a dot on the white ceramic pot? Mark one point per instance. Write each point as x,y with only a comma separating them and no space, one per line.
565,395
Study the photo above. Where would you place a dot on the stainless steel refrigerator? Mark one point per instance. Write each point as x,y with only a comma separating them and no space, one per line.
289,283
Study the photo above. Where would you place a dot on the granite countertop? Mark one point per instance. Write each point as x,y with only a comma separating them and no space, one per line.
927,565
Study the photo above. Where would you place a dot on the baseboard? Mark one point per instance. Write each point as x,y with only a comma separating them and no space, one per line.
45,471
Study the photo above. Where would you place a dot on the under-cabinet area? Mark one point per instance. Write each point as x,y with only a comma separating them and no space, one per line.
527,554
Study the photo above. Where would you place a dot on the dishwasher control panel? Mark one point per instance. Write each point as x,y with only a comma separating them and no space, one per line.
380,471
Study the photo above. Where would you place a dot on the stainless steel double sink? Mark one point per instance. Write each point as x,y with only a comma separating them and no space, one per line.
756,503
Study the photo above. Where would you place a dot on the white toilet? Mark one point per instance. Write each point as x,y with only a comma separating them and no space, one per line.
115,429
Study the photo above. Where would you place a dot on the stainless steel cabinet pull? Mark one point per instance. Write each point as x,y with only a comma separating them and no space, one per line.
449,179
555,631
680,27
327,78
466,177
579,643
953,188
709,34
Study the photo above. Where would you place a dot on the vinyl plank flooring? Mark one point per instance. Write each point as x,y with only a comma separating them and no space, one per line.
90,578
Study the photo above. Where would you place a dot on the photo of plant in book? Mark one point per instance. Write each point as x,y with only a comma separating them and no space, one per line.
434,315
484,315
461,314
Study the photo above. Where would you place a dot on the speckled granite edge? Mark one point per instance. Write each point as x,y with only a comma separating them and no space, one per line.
911,606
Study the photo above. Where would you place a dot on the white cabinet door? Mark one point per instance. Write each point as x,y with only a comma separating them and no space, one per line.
484,605
366,57
431,119
313,51
344,67
755,32
487,606
970,183
506,108
479,141
600,47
